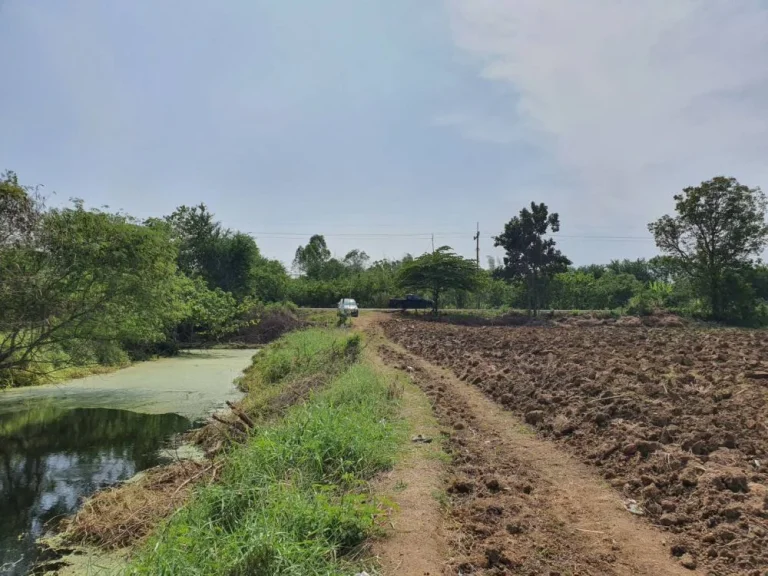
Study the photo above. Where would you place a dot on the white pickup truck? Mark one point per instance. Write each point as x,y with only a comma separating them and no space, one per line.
348,307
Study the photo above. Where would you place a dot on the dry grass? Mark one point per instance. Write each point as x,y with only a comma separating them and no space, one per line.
125,515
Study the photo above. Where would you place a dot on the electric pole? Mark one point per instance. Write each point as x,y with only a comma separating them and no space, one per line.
433,243
477,245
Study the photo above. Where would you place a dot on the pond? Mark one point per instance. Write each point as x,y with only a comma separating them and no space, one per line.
61,443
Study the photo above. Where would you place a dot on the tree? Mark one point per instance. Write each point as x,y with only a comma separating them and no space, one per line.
86,276
639,268
196,234
20,211
437,272
270,280
595,270
528,255
719,228
311,259
356,260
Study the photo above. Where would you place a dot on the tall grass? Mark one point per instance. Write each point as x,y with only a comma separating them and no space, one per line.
293,499
299,353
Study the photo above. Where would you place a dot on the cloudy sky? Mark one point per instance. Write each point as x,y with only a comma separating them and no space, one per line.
379,123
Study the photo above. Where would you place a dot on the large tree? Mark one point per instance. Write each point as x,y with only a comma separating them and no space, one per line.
437,272
225,259
528,254
356,261
312,258
84,276
718,230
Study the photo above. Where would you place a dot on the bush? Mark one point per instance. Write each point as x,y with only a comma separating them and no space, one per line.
641,304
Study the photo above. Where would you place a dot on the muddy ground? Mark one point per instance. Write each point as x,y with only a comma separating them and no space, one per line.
673,418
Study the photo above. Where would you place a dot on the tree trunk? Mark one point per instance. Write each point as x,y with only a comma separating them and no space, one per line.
435,300
529,281
715,297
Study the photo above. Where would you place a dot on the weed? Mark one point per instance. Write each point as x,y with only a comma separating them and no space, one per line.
301,353
441,497
292,499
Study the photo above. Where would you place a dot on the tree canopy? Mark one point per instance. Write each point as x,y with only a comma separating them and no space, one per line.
716,234
528,254
437,272
311,259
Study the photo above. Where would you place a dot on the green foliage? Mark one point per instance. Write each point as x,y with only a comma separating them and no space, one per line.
292,499
639,268
224,259
719,228
82,287
528,255
300,353
595,270
371,287
84,276
20,211
312,258
438,272
580,290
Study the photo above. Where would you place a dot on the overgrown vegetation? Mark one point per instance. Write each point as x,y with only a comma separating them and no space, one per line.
293,498
89,288
83,289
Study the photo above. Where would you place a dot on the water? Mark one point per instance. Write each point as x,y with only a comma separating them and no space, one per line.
61,443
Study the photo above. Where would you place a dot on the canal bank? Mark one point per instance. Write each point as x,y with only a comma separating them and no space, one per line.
61,443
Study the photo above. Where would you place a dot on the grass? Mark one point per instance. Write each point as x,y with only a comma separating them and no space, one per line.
300,353
303,360
319,317
292,500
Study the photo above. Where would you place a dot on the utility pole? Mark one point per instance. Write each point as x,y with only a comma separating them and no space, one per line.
433,243
477,245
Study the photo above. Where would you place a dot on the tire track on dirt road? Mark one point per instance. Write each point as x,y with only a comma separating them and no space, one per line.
520,505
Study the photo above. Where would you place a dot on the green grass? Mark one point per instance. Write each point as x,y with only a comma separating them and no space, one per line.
314,353
319,317
293,500
301,353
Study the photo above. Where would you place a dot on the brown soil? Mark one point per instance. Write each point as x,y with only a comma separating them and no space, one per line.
415,543
674,419
521,506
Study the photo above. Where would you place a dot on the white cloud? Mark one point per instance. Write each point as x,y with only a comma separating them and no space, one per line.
480,127
633,99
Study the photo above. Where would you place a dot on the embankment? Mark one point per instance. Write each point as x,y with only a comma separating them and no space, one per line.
285,487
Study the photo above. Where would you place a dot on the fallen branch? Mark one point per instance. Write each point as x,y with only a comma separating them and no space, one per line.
242,415
237,426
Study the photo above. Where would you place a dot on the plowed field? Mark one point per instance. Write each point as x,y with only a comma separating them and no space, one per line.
675,419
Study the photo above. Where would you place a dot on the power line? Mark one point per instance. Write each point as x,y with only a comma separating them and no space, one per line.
429,235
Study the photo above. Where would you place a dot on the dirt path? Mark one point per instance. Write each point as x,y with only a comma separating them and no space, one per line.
518,504
415,543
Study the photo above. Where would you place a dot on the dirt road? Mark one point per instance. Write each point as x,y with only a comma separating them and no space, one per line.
528,504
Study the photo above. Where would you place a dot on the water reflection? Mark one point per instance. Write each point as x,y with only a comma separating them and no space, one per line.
51,457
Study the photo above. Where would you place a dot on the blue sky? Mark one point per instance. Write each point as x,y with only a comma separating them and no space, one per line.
378,123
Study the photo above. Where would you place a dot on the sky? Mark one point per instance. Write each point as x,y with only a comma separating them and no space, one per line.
380,123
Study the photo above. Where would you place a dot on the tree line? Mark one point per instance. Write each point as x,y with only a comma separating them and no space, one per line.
709,266
83,286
